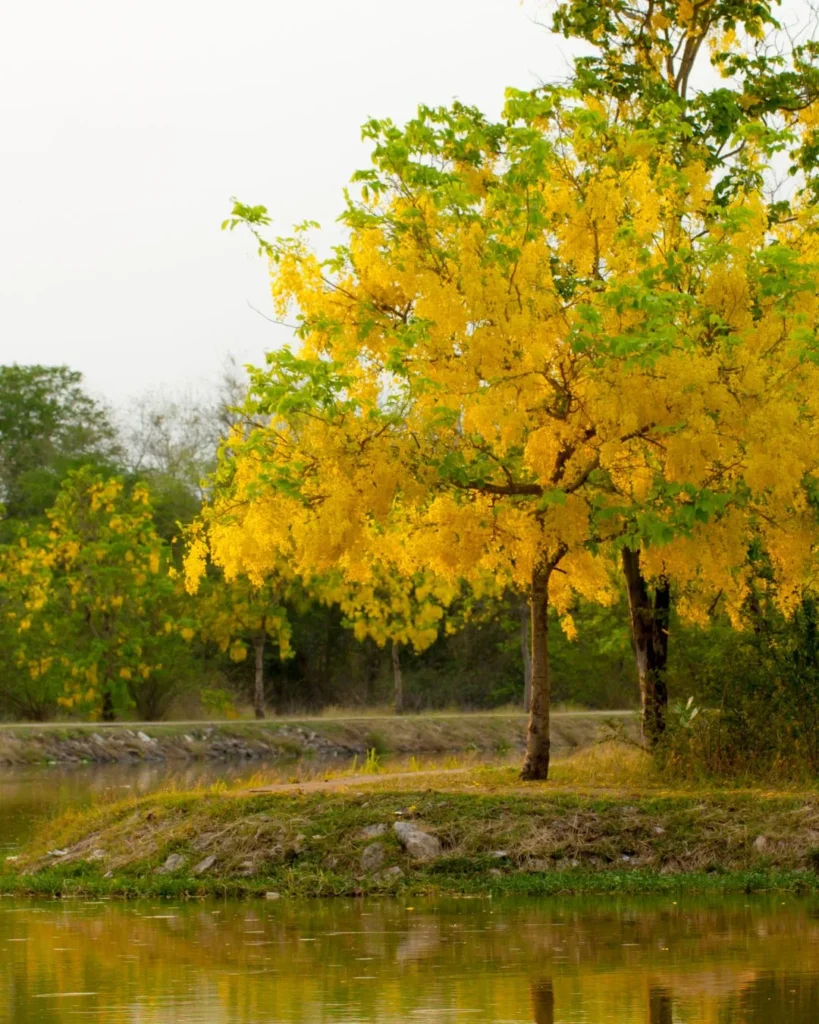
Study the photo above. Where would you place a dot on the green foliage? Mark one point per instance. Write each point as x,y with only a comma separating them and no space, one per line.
90,608
48,425
747,702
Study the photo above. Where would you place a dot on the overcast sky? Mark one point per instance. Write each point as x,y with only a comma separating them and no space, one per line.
126,126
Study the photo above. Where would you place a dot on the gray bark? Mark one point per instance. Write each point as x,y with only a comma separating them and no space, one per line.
649,632
536,763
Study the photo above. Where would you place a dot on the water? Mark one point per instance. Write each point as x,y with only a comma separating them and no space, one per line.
390,962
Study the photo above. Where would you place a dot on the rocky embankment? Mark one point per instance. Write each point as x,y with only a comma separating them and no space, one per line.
290,740
145,743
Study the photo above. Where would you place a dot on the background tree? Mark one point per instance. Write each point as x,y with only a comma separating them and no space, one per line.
240,616
49,424
27,638
170,441
397,612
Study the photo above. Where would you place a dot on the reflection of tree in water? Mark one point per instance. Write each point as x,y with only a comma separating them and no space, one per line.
543,1001
660,1007
793,997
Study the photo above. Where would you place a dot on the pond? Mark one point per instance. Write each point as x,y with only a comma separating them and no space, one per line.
389,962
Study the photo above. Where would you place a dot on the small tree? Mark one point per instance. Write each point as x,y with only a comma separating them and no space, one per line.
240,616
99,598
397,612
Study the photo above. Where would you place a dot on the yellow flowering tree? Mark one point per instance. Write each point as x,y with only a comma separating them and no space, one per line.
743,92
545,340
95,608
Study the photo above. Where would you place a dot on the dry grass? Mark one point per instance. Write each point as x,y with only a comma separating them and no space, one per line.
611,764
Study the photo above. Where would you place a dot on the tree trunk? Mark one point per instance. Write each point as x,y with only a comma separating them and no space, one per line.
398,679
108,707
536,764
258,691
526,654
543,1001
649,632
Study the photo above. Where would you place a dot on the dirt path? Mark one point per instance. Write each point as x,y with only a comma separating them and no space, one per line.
344,781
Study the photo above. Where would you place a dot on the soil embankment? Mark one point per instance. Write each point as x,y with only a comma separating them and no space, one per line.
282,740
462,832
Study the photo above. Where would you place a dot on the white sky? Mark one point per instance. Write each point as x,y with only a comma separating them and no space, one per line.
127,125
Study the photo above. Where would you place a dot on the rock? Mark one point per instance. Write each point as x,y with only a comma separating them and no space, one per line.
392,873
204,865
188,739
272,896
108,874
144,737
495,873
659,830
372,857
499,854
761,844
173,863
97,855
58,853
420,845
538,866
373,831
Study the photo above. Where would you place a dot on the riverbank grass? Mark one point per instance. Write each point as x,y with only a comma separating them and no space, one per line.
475,831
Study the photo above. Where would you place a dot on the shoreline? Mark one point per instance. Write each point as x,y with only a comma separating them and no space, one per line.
622,883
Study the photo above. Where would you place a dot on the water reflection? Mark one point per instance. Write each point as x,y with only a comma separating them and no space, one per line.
660,1010
570,962
543,1002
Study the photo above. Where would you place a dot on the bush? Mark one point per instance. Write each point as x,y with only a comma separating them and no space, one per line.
753,699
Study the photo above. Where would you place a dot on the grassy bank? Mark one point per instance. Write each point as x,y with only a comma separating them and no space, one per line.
485,833
289,739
